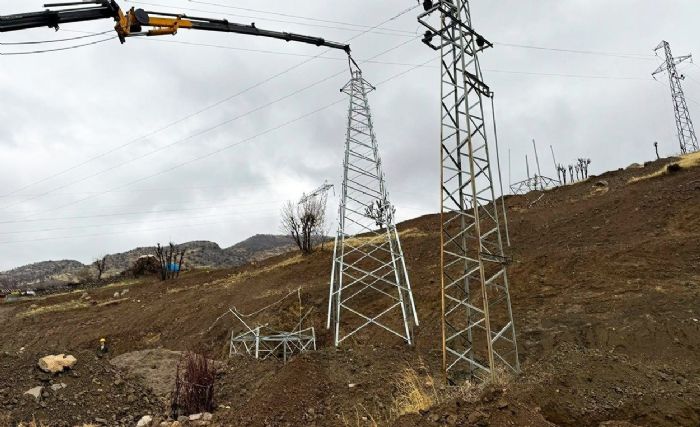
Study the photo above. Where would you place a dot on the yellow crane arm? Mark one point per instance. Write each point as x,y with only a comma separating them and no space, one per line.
132,23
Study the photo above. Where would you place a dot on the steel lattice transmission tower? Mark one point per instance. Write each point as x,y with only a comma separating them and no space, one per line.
369,282
686,132
478,333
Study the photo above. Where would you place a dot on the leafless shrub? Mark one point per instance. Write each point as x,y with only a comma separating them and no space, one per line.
194,385
100,264
170,260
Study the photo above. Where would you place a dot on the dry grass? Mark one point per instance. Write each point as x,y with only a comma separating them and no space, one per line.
362,418
122,284
377,238
33,423
75,304
55,308
239,277
415,393
686,162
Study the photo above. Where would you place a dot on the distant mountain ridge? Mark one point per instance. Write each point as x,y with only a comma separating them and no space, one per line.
199,254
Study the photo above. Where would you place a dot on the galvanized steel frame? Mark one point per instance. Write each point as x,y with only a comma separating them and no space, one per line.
536,183
686,132
478,333
263,343
368,262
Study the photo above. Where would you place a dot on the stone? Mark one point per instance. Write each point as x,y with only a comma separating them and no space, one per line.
101,421
176,424
35,392
56,387
195,417
145,421
601,183
183,419
476,417
57,363
207,416
117,295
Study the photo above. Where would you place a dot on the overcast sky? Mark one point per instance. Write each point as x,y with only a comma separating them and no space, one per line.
108,147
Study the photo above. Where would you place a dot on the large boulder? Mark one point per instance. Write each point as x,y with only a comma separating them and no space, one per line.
57,363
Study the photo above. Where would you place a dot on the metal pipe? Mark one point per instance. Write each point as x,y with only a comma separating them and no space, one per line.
498,163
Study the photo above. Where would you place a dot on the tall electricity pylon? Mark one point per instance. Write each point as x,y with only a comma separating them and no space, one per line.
686,132
478,333
369,282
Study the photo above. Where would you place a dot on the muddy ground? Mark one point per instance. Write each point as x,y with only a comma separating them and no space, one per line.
605,287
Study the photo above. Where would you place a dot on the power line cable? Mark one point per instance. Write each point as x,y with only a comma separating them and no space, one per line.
196,134
107,215
120,232
196,113
112,224
287,15
372,29
583,52
33,52
54,40
227,147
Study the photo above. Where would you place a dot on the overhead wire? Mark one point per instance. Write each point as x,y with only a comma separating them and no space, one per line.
120,232
194,135
196,113
578,51
32,42
33,52
107,215
372,29
287,15
112,224
229,146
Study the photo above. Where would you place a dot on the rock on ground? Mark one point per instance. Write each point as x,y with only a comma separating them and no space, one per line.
57,363
35,392
145,421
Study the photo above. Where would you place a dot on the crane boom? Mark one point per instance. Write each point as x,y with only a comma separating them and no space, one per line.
131,24
53,18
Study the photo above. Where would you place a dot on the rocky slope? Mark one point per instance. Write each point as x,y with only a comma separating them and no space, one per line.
200,254
605,288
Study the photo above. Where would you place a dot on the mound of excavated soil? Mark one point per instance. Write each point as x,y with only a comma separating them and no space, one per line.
155,368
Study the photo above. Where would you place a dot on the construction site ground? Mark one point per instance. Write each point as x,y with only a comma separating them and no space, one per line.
605,284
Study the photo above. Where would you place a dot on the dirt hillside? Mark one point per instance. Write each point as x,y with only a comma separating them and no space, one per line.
605,287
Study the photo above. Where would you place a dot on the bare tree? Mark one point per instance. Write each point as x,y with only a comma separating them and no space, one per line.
170,260
305,222
100,264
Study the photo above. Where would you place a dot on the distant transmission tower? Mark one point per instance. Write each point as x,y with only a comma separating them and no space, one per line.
369,282
686,132
478,333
